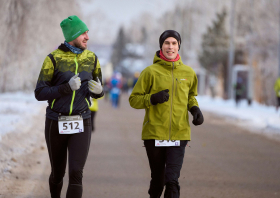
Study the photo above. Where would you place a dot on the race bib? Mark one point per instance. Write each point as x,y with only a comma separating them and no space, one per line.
70,124
167,142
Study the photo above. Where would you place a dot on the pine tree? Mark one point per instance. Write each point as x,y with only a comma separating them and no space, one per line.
215,47
118,48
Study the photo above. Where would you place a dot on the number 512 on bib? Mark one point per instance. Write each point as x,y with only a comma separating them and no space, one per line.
70,124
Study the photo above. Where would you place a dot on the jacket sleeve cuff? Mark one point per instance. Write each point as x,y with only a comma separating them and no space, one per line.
64,89
95,96
148,102
192,102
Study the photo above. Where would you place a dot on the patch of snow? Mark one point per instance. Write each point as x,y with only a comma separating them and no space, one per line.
17,109
255,117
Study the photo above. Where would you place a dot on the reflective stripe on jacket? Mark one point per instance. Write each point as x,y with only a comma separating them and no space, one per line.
169,120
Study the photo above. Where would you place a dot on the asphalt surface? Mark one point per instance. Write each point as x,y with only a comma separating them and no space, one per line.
223,161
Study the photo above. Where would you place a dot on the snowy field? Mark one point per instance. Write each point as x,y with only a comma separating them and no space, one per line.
256,118
17,109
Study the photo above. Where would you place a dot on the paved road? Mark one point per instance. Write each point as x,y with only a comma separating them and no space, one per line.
224,161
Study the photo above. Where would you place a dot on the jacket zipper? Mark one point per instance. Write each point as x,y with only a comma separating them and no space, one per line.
87,102
176,87
171,101
74,92
52,103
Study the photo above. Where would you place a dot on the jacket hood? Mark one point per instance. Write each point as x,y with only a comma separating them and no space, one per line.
158,60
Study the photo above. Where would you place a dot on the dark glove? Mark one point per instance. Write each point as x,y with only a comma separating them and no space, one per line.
160,97
197,116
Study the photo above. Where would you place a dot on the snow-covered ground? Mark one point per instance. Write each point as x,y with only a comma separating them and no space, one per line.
17,109
256,118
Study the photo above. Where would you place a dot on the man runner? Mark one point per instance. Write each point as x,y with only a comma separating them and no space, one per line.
70,75
166,90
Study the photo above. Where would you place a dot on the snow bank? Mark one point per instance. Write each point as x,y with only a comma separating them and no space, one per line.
256,118
17,110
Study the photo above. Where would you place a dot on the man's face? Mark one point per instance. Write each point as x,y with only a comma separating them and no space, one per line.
170,48
81,41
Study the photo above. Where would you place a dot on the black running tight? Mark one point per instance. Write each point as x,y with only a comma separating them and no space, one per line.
78,147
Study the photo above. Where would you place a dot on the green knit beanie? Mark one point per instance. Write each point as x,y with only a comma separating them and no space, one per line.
72,27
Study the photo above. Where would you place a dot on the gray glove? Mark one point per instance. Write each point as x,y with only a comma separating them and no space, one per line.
95,87
75,82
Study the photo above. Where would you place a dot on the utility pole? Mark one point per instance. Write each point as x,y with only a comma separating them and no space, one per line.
279,43
250,96
231,52
180,25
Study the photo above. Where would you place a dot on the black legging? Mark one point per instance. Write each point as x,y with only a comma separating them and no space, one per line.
165,164
78,147
93,113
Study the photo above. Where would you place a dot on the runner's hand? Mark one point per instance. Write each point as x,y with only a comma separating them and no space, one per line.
75,82
160,97
95,87
197,116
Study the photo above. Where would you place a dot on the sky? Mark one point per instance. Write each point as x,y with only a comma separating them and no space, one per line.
109,15
122,11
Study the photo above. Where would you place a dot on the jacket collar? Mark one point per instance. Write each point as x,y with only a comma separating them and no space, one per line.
64,48
73,49
158,60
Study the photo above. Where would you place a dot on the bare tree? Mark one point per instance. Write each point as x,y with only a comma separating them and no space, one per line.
29,31
257,32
